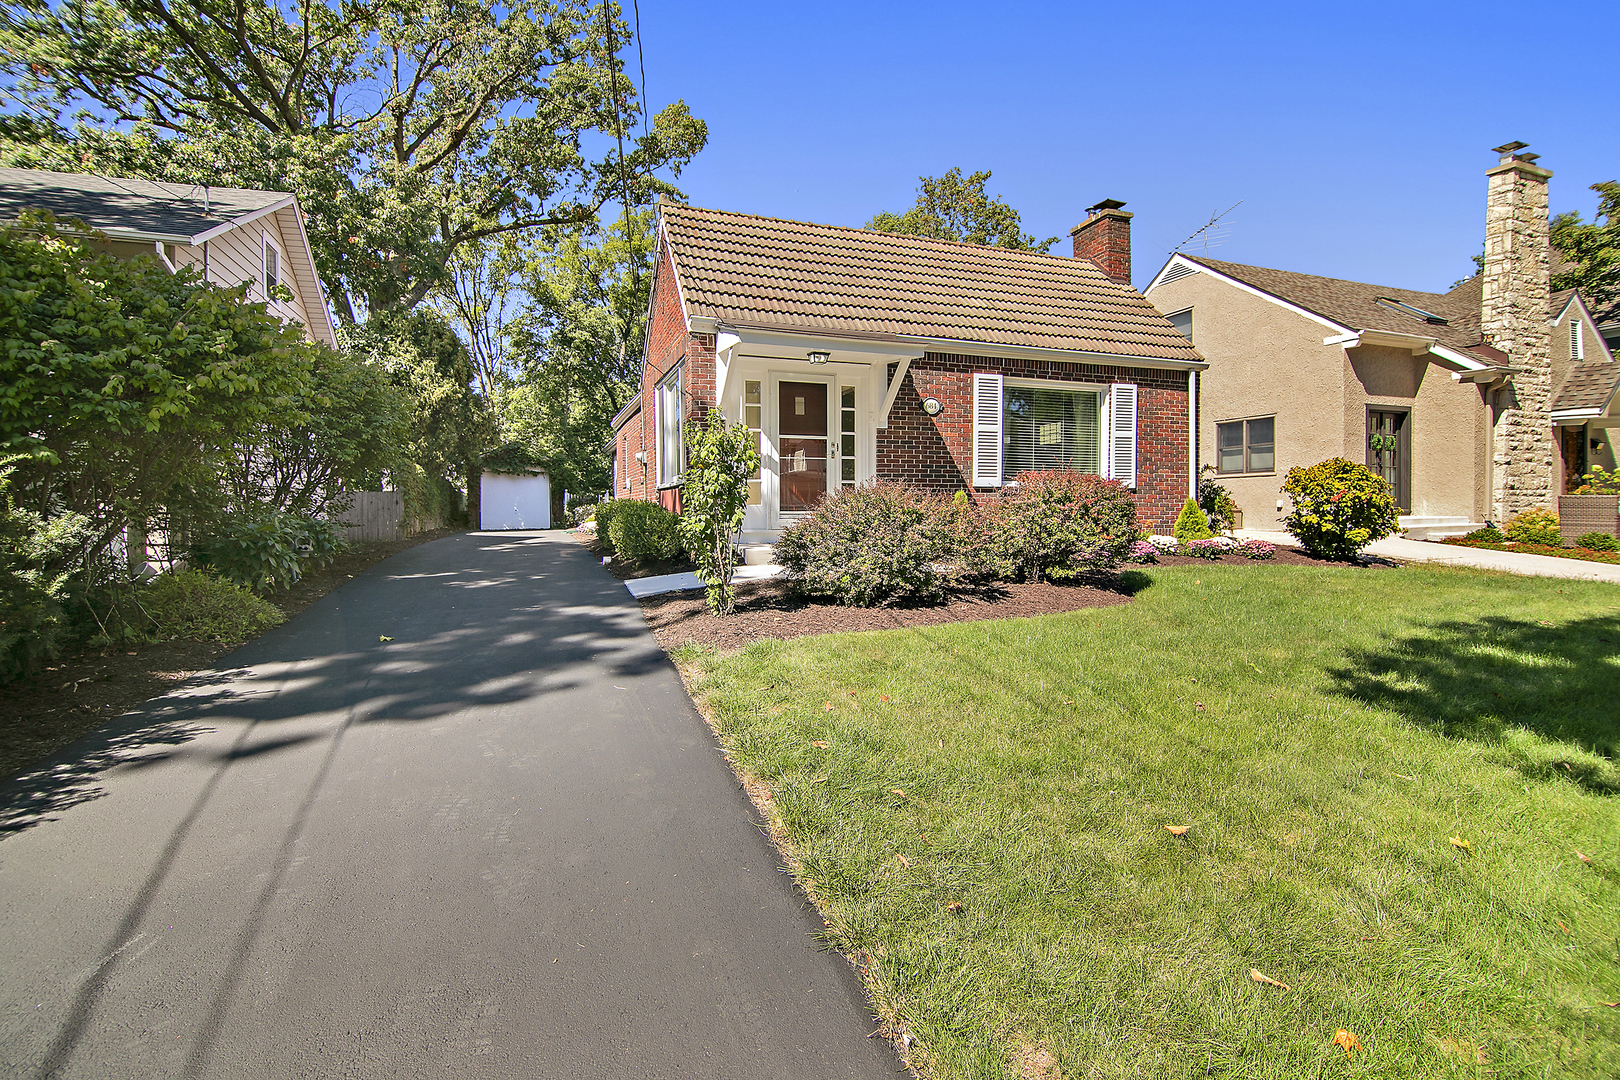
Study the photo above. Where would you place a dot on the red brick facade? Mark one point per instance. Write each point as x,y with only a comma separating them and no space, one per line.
933,452
937,452
668,345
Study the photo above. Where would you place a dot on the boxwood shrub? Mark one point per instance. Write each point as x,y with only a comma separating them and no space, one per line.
643,531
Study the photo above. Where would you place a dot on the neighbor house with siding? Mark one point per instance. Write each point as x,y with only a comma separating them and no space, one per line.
855,355
1476,403
229,235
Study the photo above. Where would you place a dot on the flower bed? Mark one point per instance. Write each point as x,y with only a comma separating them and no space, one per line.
1582,554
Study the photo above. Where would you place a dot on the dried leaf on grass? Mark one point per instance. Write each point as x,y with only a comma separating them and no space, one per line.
826,706
905,862
1463,1049
1177,830
954,907
1587,859
1462,845
1254,973
897,791
819,744
382,637
1347,1040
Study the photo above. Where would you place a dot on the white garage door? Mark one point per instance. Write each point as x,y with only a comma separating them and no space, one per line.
515,502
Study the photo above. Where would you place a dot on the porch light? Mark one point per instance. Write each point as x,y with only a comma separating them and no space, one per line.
819,357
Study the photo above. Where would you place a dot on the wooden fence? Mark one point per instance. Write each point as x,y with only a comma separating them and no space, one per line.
374,516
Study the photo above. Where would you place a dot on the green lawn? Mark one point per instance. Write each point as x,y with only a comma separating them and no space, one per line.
1325,732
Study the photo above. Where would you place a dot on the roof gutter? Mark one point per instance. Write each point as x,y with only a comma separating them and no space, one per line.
1417,345
237,222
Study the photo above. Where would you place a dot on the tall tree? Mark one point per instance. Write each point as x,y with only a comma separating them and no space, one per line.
1592,249
952,207
409,128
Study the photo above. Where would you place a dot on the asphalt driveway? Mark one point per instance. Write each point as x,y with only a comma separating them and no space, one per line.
502,844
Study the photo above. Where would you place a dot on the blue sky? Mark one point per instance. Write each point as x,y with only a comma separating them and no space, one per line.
1356,135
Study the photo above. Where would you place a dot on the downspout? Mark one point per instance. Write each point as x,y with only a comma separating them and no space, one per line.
1192,435
205,258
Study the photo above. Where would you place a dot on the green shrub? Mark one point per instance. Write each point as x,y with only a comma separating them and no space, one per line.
1484,536
266,549
1535,526
39,559
192,604
1339,507
869,545
1191,524
644,531
603,516
1596,541
1061,523
714,494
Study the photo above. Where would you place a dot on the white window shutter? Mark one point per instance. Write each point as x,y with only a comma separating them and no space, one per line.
1122,433
986,430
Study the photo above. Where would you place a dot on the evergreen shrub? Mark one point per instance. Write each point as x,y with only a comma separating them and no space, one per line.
644,531
192,604
1339,507
1596,541
1191,524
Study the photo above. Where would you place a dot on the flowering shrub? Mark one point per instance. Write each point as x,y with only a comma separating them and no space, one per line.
1600,482
1256,549
1142,552
1061,523
1339,507
1535,526
869,545
1165,545
1210,548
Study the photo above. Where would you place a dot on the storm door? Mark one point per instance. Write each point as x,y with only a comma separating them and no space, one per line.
802,445
1389,451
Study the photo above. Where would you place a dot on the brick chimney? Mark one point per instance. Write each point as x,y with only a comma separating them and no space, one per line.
1105,238
1514,300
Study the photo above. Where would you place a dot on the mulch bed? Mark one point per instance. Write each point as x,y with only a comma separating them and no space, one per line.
768,610
80,692
1583,554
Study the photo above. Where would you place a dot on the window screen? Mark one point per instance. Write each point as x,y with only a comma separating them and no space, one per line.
1051,429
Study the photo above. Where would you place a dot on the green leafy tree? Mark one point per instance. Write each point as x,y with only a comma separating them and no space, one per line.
1592,249
356,426
408,129
129,384
577,347
714,495
952,207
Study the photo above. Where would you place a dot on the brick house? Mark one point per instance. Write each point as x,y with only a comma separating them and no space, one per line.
857,355
1476,403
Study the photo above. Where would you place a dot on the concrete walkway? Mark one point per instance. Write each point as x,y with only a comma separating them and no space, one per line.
500,844
1512,562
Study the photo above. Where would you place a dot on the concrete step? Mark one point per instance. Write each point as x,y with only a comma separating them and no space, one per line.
1459,527
758,554
1408,521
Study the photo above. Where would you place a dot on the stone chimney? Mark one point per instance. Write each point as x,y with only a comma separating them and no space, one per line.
1514,301
1105,238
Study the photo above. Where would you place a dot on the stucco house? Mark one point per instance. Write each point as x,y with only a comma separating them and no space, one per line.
231,235
1475,403
856,355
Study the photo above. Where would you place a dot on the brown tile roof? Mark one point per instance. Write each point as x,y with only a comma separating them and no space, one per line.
788,275
1355,304
1590,386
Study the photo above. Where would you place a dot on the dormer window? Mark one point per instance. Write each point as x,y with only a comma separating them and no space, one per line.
1415,312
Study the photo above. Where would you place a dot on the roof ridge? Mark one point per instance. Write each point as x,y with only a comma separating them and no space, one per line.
1217,264
901,237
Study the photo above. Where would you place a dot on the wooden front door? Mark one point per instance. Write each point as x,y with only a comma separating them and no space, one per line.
801,445
1389,451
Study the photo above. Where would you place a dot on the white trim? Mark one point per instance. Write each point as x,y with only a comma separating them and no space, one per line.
1469,363
163,256
244,220
891,390
327,330
724,344
1261,293
664,250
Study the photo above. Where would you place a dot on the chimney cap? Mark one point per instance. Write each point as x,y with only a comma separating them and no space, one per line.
1106,204
1508,148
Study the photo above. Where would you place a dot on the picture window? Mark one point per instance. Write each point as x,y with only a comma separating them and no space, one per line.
1246,446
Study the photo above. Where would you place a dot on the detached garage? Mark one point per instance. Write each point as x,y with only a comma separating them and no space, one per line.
514,491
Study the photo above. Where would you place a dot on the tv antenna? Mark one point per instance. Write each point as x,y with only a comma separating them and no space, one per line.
1211,233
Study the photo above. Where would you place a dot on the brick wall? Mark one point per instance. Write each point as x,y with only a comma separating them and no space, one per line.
668,344
937,452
